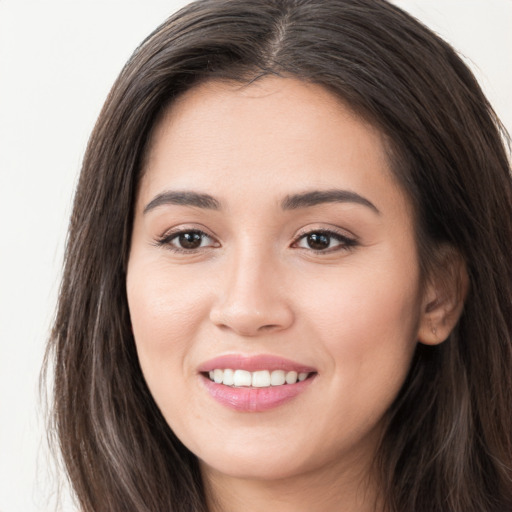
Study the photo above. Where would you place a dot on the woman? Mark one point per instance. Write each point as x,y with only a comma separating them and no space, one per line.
287,280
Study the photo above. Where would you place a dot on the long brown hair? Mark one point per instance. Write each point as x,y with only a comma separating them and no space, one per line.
448,445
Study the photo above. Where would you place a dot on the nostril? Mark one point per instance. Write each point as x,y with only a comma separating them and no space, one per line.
268,327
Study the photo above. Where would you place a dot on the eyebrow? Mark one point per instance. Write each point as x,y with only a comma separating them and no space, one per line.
291,202
317,197
183,198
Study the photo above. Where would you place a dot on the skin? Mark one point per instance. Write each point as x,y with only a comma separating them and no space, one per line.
353,312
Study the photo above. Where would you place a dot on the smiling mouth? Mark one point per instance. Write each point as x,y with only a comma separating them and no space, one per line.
255,383
256,379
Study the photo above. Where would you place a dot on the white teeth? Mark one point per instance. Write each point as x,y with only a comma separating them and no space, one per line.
242,378
258,379
228,378
291,377
261,379
218,376
277,378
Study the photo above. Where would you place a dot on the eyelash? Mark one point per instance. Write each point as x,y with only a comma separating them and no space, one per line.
345,243
167,239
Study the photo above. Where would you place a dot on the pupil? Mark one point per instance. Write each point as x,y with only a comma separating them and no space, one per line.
318,241
190,240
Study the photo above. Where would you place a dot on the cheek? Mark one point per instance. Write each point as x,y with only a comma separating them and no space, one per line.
367,323
373,318
166,313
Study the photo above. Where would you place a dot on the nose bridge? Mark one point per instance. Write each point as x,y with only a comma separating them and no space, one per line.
251,298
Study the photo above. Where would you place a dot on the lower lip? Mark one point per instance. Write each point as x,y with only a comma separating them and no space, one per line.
254,399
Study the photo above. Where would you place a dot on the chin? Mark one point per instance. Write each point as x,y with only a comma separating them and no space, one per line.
262,460
246,468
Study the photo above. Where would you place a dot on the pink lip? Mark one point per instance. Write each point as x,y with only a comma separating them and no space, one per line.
254,363
254,399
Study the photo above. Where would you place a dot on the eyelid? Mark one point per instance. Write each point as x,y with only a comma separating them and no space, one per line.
328,229
347,240
169,235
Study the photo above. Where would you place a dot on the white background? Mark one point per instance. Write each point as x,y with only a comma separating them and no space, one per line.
58,60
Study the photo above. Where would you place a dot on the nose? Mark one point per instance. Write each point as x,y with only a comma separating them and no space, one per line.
252,298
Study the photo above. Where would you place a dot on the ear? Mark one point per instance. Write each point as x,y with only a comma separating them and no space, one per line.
443,301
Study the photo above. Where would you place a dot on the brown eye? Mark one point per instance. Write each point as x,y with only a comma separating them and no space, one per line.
325,241
190,240
187,240
318,241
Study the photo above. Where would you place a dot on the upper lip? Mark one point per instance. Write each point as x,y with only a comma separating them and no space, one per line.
252,363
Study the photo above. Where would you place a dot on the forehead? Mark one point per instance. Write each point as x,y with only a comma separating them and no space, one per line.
268,137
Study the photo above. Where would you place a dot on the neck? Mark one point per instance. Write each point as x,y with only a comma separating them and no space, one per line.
328,490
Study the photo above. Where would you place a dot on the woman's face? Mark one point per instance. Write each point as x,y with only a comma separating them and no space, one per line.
272,244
